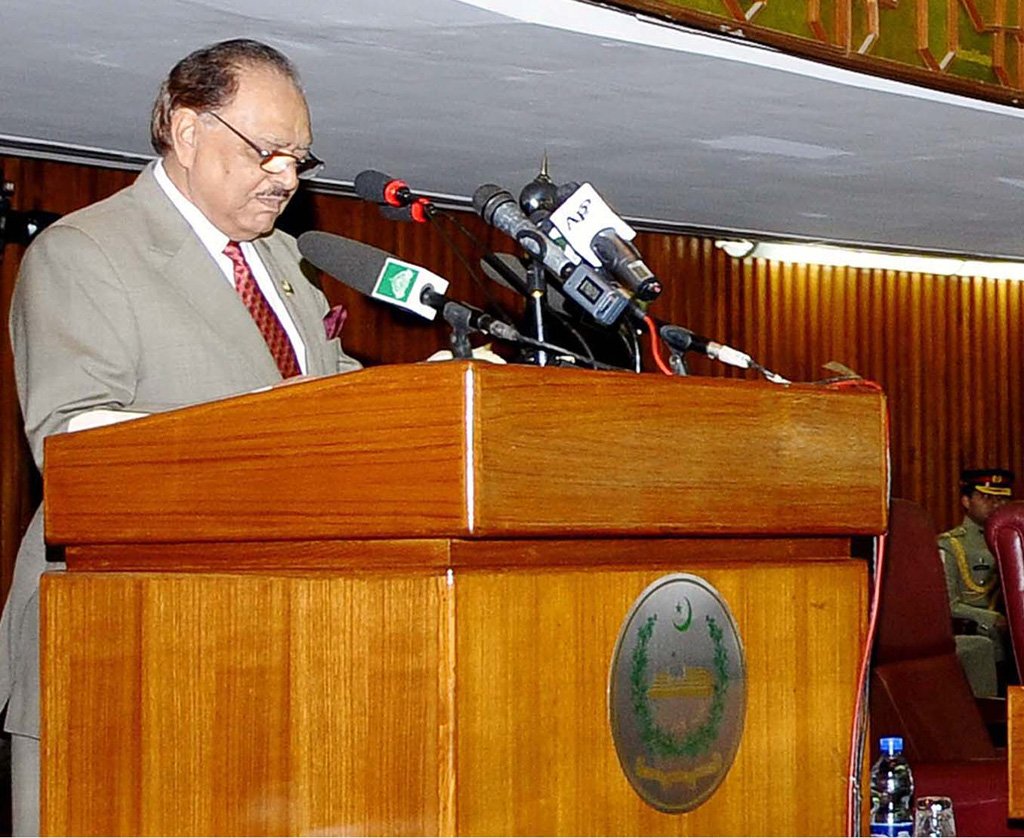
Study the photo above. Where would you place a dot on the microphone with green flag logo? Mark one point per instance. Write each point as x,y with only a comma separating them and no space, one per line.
383,276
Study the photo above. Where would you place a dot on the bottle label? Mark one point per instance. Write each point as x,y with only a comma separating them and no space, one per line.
897,828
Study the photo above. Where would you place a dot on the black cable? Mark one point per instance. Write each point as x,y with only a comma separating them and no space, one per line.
627,334
473,275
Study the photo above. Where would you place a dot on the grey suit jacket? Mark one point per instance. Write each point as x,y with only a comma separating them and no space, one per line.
120,306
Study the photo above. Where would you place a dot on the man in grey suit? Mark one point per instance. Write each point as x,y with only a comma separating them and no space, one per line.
174,291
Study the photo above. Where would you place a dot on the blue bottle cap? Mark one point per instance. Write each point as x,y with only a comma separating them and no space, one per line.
891,745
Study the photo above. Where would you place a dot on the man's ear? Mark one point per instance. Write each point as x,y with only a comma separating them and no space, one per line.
965,502
184,135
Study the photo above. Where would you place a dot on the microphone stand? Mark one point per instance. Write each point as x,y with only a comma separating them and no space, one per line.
677,361
458,318
537,286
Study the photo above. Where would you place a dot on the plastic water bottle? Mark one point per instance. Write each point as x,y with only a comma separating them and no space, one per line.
892,790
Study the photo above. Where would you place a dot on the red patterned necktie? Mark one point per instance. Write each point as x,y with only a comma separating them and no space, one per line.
273,332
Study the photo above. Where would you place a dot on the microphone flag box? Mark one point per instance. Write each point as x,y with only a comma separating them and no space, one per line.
402,284
582,216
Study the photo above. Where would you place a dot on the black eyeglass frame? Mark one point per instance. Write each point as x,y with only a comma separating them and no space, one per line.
305,167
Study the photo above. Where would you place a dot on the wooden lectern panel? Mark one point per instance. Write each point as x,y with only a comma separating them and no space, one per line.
660,455
535,754
269,703
1015,748
470,450
200,704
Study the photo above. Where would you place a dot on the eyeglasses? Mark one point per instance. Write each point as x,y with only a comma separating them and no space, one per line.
277,161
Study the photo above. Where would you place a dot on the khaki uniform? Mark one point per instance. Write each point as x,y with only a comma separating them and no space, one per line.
975,594
972,576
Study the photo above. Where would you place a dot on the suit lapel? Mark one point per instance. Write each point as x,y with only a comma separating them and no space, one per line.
190,271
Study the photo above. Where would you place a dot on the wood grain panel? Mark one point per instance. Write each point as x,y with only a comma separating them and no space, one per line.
535,755
676,456
248,468
424,556
478,450
216,705
427,556
1015,748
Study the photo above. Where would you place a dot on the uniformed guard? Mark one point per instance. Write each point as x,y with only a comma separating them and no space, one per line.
972,576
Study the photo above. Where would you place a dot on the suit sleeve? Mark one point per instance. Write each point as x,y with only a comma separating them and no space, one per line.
74,335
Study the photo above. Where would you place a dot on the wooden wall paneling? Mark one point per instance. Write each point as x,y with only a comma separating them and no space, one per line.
817,324
14,484
927,423
16,492
775,321
1015,373
947,369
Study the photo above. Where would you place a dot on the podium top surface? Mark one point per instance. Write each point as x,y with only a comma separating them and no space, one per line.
472,450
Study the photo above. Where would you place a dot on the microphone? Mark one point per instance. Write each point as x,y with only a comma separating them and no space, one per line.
497,207
600,235
382,276
379,188
390,192
626,264
683,340
586,287
419,211
563,192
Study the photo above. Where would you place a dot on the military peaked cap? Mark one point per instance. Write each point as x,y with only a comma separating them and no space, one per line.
988,481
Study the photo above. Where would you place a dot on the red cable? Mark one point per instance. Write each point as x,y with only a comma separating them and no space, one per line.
852,816
854,768
653,332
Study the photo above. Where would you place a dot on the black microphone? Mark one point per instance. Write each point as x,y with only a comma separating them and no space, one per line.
683,340
564,191
626,264
497,207
383,276
379,188
508,272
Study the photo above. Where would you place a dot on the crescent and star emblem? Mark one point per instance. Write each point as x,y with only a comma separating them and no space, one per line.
685,624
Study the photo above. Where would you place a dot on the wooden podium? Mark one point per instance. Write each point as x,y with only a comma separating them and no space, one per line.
386,602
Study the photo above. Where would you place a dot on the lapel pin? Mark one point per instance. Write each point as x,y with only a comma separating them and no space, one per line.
287,287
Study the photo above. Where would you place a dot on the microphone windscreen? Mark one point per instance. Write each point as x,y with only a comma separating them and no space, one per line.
488,198
370,185
356,264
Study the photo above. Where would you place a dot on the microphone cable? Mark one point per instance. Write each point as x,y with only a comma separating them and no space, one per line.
478,280
652,330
